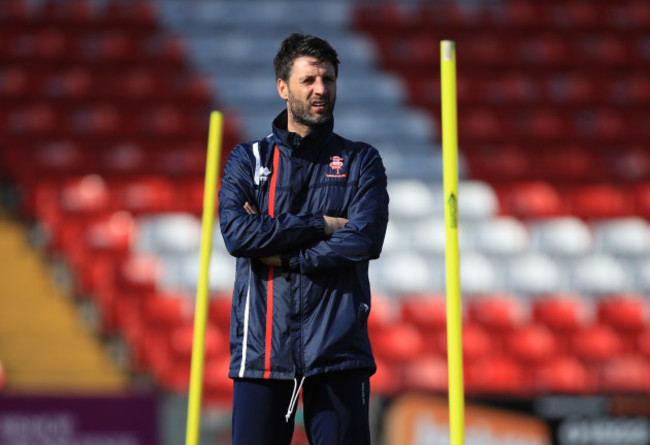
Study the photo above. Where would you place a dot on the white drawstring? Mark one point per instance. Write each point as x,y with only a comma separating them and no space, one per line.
294,397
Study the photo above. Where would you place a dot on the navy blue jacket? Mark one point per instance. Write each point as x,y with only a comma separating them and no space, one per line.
309,316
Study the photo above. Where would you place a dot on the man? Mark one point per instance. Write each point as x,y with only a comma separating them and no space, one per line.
303,210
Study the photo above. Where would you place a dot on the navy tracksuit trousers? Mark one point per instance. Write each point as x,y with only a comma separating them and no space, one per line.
335,408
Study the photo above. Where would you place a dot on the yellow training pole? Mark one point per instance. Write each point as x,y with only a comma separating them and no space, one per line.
202,289
450,182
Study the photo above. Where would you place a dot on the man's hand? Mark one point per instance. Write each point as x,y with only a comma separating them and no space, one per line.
250,209
332,224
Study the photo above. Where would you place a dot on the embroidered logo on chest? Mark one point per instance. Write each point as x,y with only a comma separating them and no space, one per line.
263,173
336,165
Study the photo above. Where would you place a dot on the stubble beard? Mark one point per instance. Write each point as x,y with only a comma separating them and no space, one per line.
300,114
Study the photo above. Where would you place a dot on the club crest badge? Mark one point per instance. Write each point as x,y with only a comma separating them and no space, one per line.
336,165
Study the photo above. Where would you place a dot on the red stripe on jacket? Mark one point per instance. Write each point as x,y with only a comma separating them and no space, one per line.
269,288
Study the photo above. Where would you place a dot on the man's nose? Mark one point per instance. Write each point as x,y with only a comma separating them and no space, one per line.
320,87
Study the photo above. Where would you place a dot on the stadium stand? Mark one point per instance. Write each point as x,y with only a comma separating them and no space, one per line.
103,134
549,124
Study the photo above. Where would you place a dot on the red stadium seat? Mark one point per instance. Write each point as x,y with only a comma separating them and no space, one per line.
67,13
168,311
428,373
642,343
562,312
515,88
575,89
563,375
483,48
196,89
61,158
388,380
610,125
398,343
15,82
147,194
498,375
570,164
612,50
182,343
597,344
630,163
427,312
479,124
600,201
167,51
74,84
497,312
52,44
635,89
384,313
478,343
165,121
626,374
115,47
12,10
627,313
139,273
219,310
545,49
544,124
503,164
522,13
140,14
139,84
113,232
170,357
531,199
639,14
577,15
88,194
99,121
161,316
217,387
36,120
641,196
533,343
96,244
182,160
126,158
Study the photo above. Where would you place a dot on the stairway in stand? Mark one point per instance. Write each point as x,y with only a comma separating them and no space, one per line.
44,346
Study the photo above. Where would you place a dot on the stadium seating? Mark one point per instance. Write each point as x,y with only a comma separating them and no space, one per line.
564,154
564,375
104,126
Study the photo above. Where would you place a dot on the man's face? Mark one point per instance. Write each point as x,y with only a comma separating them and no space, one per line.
310,94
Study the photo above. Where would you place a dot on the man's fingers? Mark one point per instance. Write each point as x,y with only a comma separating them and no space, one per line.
332,224
250,209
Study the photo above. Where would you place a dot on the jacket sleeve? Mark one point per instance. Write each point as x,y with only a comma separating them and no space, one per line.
256,236
362,237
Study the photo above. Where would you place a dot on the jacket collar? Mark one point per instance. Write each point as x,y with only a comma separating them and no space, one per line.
315,139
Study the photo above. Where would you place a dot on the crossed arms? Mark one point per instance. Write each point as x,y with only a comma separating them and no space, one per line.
331,225
321,242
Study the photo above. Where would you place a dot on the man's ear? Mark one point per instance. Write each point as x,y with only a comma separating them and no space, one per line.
283,89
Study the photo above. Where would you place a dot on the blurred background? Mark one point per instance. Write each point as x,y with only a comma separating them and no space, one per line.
104,108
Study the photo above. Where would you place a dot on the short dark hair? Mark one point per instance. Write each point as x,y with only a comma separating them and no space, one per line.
301,45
